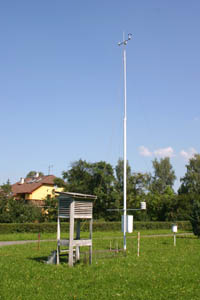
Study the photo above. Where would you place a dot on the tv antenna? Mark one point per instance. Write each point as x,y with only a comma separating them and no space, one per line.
49,169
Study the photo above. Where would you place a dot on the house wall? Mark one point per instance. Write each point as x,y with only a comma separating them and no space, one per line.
42,192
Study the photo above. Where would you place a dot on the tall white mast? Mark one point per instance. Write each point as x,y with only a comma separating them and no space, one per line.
124,43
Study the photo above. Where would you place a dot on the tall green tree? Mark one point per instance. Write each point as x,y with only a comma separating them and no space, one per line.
119,182
92,178
119,170
190,189
195,216
137,186
191,180
164,175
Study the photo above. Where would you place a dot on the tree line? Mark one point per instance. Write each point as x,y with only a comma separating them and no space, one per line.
106,182
156,188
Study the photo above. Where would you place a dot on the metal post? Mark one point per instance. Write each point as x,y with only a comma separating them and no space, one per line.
124,43
125,148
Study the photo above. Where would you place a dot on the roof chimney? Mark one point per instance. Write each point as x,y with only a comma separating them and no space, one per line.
21,181
37,175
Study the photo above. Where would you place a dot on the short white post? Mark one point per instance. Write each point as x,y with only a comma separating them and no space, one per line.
174,239
174,230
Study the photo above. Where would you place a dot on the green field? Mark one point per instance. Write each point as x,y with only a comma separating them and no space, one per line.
161,272
21,236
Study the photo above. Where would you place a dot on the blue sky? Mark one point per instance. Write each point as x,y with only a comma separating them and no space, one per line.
61,80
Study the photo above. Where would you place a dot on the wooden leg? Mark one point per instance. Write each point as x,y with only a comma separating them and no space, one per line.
91,221
77,253
58,241
90,248
58,254
71,234
78,227
90,255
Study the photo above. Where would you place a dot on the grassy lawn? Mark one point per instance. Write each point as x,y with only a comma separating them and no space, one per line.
49,236
161,272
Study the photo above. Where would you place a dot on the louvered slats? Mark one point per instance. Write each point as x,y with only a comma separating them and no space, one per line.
82,209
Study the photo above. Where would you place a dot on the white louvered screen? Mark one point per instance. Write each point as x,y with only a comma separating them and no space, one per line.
82,209
64,207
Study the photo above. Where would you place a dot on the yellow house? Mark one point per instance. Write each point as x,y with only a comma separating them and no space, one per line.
35,189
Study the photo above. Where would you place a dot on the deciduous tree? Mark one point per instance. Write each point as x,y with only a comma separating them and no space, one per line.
191,180
92,178
164,175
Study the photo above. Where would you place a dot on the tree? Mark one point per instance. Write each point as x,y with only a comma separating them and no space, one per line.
59,182
50,209
140,183
92,178
16,211
4,206
191,180
161,196
164,175
195,216
119,182
137,186
119,170
20,212
190,189
6,187
33,173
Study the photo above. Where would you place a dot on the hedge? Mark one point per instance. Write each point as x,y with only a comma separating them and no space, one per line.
97,226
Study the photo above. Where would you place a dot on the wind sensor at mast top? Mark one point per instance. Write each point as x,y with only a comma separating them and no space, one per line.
125,41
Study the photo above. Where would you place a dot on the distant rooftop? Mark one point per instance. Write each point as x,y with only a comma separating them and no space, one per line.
29,185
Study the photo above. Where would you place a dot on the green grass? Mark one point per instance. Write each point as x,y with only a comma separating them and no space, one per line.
34,236
161,272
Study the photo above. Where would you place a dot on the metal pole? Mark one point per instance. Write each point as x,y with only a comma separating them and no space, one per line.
124,43
125,119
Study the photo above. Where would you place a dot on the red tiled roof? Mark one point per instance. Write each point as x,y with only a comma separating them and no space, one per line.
31,184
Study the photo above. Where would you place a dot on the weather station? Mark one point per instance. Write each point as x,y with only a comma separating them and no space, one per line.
127,220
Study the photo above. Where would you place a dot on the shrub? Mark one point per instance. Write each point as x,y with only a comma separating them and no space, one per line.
17,211
97,226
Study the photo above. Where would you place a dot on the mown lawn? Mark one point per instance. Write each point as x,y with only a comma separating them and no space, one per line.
161,272
21,236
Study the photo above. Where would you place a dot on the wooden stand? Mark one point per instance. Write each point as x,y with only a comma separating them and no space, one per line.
74,206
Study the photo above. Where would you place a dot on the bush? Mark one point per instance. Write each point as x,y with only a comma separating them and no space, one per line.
17,211
20,212
97,226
